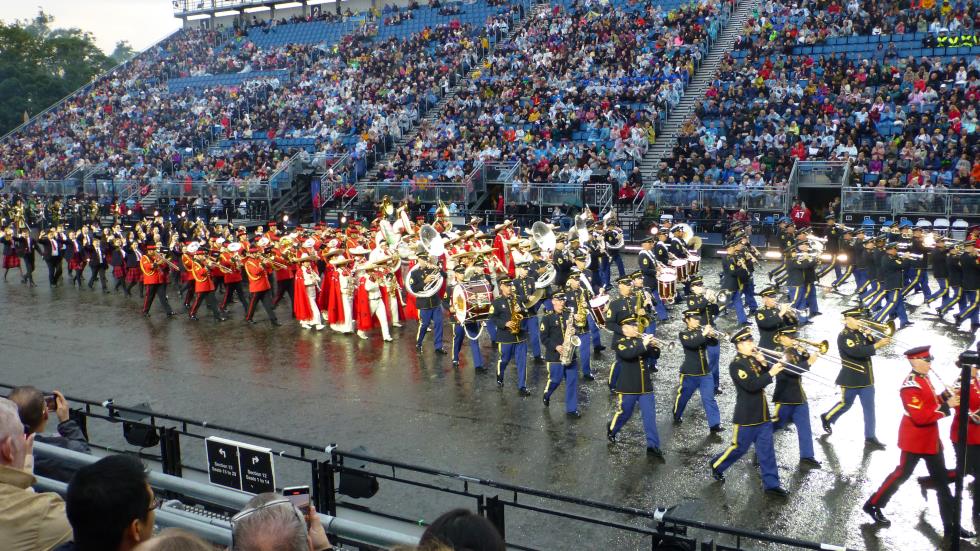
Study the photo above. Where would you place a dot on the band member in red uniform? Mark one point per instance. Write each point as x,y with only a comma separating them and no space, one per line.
918,438
501,249
204,286
257,270
154,281
186,279
284,276
233,279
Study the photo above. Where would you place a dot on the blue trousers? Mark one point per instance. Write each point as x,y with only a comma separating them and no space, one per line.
594,329
533,327
649,362
492,331
618,260
585,352
972,311
894,304
743,437
648,409
605,271
842,278
748,296
847,396
714,352
459,335
568,373
659,306
430,316
955,298
860,279
703,384
518,352
917,282
804,297
737,306
799,415
942,292
832,265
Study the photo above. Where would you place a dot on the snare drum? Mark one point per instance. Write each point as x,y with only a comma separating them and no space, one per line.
472,301
695,266
667,284
680,265
598,306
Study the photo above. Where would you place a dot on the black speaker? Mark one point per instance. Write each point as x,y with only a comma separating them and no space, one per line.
357,485
140,435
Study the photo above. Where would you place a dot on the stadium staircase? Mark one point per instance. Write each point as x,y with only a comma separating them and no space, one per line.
667,138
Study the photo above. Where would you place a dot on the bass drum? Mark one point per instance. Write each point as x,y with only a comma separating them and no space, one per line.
472,301
598,306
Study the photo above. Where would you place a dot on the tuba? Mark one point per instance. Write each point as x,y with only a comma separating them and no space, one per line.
431,287
544,236
431,241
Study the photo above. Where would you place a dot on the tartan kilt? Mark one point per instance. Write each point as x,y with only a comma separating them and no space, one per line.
118,272
133,275
11,261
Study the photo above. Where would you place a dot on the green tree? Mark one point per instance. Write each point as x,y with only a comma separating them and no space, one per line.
123,52
40,65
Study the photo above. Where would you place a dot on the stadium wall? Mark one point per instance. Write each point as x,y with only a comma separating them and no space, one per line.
226,19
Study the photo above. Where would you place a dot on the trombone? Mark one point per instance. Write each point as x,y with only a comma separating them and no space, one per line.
779,357
822,347
877,329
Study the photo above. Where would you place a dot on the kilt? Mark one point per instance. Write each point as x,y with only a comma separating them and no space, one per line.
118,272
11,261
133,275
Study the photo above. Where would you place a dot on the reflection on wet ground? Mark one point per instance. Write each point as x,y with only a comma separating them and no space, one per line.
324,388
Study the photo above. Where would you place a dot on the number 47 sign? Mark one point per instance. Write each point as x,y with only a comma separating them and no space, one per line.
240,466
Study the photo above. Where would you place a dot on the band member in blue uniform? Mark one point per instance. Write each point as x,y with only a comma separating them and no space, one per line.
509,316
789,396
578,298
430,305
524,288
619,310
468,331
752,424
648,259
555,326
734,272
891,271
696,371
856,378
634,386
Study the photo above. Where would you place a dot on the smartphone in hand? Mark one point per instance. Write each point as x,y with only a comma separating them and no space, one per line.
299,496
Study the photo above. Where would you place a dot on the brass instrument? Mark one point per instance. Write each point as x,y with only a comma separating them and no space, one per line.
581,310
570,340
716,297
711,332
161,260
517,315
649,340
822,346
642,320
910,256
878,330
268,259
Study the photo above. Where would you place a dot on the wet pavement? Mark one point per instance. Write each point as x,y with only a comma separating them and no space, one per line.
324,387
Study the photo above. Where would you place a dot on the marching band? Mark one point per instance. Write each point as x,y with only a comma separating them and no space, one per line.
548,294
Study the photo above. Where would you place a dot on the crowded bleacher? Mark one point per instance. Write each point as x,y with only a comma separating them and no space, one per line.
841,81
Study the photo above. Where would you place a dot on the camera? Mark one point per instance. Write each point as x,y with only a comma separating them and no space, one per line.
970,357
51,402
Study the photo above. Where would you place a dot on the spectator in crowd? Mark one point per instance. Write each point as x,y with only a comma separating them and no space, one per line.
800,214
29,521
110,505
35,410
270,522
462,529
173,539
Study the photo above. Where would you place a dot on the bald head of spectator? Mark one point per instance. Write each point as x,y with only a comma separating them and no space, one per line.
13,446
173,539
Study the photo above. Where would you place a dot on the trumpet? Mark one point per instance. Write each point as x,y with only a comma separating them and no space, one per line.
716,297
650,340
711,332
275,265
910,256
844,228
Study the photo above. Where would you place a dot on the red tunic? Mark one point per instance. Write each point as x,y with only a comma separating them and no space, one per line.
202,279
919,430
236,274
502,251
972,428
258,278
301,302
152,274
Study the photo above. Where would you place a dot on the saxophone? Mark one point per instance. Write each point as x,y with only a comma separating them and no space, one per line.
642,320
581,311
570,340
516,316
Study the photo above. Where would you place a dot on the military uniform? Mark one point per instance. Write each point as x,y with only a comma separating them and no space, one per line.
707,312
971,290
751,421
695,374
552,328
619,311
856,379
734,273
791,403
430,307
635,387
509,345
891,272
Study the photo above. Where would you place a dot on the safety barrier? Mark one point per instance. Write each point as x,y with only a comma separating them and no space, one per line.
413,493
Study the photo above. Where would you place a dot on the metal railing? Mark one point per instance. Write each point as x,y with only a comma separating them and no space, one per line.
553,195
897,202
769,198
412,494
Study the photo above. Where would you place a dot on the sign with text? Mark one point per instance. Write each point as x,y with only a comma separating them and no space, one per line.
240,466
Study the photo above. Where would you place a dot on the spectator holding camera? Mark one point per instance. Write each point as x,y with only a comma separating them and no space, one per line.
28,520
35,409
270,522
